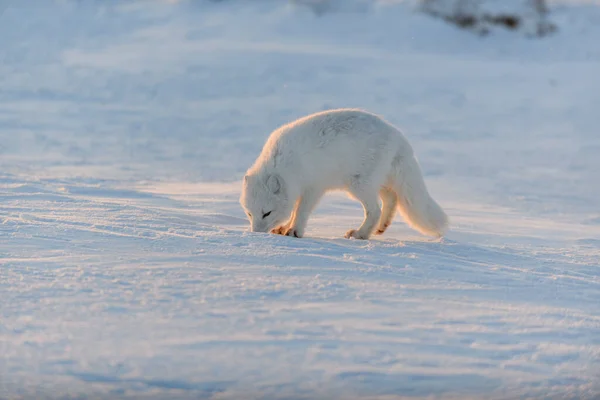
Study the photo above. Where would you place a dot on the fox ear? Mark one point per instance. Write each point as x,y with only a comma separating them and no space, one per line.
274,183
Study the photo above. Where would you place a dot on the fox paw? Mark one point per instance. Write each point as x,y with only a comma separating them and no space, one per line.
280,230
293,232
381,230
353,233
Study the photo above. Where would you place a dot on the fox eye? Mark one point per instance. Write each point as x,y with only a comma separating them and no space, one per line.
250,215
265,215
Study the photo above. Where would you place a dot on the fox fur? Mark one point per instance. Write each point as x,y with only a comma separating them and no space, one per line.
344,149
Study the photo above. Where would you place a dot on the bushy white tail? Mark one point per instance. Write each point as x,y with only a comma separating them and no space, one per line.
415,204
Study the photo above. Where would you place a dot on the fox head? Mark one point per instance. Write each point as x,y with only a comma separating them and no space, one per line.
265,200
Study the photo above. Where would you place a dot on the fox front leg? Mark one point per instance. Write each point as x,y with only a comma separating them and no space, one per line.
309,199
282,229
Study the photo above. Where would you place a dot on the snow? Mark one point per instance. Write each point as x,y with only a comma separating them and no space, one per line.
126,267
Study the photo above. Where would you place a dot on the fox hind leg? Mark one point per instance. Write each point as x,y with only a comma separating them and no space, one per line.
370,201
388,209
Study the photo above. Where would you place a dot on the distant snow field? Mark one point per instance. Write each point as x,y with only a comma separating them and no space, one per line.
126,265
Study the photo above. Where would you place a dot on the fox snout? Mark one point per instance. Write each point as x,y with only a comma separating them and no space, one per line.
259,227
263,226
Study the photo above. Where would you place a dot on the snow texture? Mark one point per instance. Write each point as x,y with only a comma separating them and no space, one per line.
126,265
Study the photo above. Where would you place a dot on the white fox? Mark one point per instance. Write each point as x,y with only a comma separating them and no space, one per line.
345,149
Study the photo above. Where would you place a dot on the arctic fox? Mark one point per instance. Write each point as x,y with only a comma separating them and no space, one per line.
345,149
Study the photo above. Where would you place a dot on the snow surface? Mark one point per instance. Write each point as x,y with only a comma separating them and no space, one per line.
126,267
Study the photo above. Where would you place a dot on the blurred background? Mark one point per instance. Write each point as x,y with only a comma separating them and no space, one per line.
502,93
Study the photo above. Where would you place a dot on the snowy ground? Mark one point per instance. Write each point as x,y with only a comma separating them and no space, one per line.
126,270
